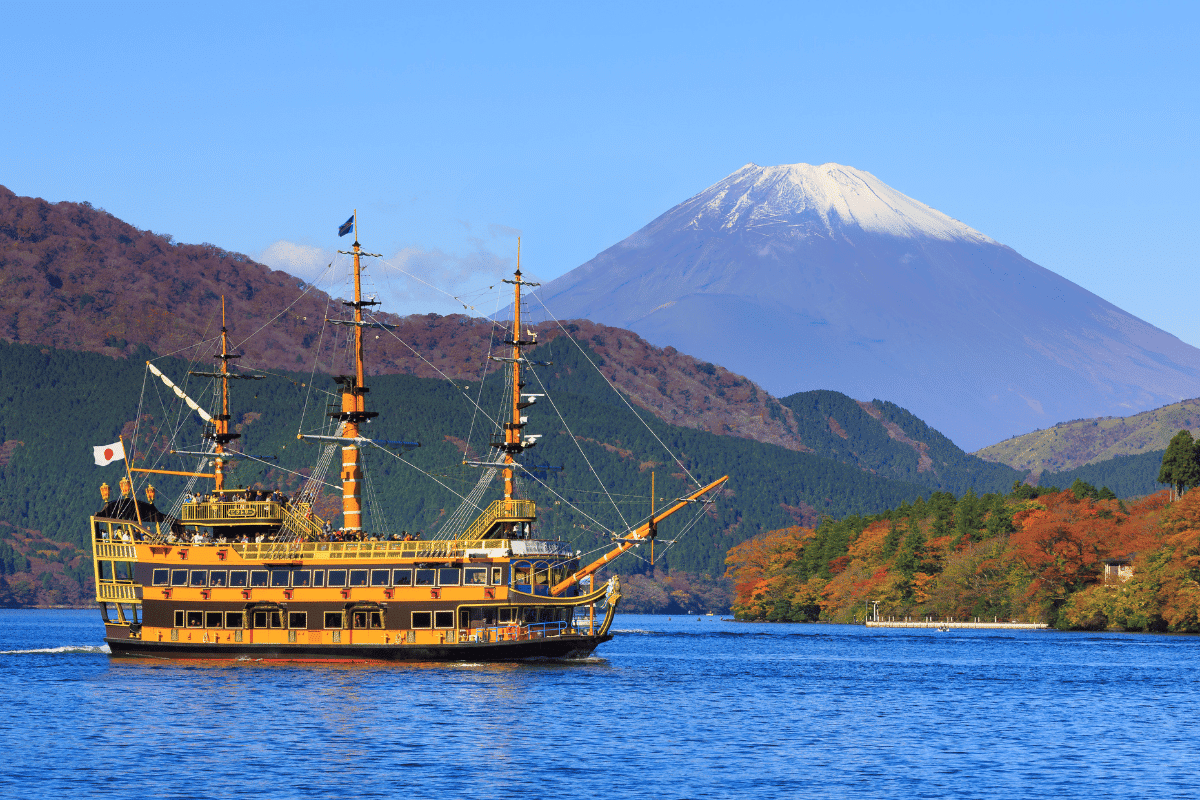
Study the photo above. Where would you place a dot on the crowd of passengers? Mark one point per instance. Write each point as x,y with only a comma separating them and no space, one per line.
239,496
202,537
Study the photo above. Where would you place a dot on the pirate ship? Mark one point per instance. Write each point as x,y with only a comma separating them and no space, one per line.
246,574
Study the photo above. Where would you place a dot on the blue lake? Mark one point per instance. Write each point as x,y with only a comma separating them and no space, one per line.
672,708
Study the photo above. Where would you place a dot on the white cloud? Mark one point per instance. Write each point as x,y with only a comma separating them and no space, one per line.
418,281
304,261
410,281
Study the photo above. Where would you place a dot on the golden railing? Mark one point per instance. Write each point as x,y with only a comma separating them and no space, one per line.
122,552
240,511
284,551
116,590
512,510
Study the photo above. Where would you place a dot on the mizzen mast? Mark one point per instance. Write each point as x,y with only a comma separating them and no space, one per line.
514,442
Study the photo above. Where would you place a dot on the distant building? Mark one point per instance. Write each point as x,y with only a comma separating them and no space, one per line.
1118,570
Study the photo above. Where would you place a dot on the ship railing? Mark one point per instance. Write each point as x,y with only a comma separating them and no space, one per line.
299,522
116,590
266,551
233,511
516,510
120,552
514,632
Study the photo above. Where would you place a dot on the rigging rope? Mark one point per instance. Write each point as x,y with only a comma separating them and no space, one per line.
611,385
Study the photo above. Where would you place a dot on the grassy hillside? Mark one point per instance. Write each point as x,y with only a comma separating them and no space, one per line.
1087,441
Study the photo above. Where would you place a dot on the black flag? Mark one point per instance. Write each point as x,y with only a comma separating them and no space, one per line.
347,226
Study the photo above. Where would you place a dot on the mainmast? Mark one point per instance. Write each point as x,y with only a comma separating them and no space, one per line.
353,409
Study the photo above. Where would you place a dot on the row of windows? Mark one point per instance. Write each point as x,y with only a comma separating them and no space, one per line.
359,620
284,578
364,620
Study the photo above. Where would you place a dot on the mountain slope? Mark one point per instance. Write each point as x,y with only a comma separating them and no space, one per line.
806,277
1089,441
882,438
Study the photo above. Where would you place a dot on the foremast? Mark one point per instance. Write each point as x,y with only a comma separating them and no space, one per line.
221,435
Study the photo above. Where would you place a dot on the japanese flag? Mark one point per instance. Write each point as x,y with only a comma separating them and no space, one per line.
108,453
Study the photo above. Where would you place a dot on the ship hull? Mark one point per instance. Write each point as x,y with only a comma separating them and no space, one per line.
554,648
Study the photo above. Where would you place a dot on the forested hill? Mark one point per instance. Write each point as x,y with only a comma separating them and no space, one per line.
887,440
55,405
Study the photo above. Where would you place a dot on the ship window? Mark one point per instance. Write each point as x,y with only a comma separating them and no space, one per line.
506,616
217,577
237,577
497,576
122,571
195,619
212,619
179,619
337,577
279,577
379,577
443,619
178,577
160,577
319,577
333,619
541,573
301,577
422,619
106,570
402,577
448,577
358,577
267,619
199,577
475,576
258,577
425,577
233,619
360,619
298,620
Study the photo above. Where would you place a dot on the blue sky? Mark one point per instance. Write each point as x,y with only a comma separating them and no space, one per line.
1067,131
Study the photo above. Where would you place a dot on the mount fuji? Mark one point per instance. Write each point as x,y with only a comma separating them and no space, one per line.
823,277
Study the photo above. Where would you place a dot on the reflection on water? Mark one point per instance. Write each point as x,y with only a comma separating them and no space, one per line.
683,707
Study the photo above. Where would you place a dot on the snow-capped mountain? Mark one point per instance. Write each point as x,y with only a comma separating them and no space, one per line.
823,277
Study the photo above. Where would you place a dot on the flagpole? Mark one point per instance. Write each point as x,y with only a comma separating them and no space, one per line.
132,489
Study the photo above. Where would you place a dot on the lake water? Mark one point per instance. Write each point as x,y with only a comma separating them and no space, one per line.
672,708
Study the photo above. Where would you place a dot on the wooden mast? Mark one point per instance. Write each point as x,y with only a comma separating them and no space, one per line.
221,421
512,431
354,406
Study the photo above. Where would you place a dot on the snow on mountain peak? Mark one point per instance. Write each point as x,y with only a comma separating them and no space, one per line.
797,195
